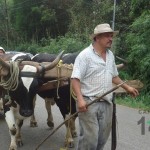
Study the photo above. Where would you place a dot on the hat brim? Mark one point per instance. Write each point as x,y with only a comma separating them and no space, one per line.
92,36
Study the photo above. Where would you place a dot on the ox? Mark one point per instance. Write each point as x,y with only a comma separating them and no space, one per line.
12,56
61,96
19,102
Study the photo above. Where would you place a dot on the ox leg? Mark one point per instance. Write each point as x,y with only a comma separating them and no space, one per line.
1,108
10,120
18,134
73,127
33,122
48,103
69,142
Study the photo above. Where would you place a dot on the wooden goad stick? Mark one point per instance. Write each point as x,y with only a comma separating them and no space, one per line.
94,101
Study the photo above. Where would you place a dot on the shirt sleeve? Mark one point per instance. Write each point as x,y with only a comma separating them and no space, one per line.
79,68
115,71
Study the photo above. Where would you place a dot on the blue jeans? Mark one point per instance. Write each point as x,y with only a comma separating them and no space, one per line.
95,126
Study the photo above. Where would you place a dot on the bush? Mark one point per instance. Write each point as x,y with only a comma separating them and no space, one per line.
69,44
28,48
139,53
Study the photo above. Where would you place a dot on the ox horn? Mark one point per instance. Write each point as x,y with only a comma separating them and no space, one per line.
122,65
123,60
51,65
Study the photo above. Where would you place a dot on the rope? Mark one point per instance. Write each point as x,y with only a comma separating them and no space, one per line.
11,83
59,66
73,94
69,133
58,76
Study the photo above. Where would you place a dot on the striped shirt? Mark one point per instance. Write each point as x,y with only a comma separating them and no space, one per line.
94,73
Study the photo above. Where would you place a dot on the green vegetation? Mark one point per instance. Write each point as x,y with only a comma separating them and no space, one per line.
50,45
52,25
141,102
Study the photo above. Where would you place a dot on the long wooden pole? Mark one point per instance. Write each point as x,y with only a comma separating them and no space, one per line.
7,23
94,101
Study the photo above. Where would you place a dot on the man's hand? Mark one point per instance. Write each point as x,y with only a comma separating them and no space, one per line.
132,91
82,105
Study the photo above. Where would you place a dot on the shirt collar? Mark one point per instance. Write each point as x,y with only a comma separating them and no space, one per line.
92,48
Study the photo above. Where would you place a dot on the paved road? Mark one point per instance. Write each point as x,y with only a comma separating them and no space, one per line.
129,133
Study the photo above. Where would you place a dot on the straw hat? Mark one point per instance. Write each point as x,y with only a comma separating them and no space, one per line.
103,28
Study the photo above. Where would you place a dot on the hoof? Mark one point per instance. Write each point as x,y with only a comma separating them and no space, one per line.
2,116
69,144
74,135
50,124
52,102
33,124
13,147
20,143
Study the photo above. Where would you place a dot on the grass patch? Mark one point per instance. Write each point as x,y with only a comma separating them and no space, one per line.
140,102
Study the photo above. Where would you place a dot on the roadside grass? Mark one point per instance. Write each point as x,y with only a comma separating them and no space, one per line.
141,102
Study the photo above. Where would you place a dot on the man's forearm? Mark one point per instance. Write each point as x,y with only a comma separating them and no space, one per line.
117,80
76,87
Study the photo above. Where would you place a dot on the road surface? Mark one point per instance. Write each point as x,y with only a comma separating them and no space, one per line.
131,126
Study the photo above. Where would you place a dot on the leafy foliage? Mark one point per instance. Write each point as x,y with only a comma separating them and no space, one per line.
50,45
52,25
139,54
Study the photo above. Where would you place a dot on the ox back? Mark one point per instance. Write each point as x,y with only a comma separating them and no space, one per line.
16,56
62,98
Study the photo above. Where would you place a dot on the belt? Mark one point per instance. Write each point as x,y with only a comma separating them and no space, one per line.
94,97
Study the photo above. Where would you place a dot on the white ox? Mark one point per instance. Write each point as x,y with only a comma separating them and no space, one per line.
20,103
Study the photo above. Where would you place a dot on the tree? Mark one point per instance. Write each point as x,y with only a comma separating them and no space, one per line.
138,41
90,13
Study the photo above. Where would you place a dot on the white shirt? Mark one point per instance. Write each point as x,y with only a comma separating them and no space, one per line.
94,73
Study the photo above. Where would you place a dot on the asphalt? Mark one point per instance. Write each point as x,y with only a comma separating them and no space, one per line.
130,128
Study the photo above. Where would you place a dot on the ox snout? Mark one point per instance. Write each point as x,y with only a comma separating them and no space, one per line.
26,113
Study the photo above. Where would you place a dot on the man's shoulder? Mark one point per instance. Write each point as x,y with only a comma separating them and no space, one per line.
86,52
110,53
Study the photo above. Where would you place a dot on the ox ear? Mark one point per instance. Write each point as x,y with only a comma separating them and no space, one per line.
5,67
120,66
4,64
50,65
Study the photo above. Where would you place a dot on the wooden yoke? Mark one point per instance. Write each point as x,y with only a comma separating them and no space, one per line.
64,70
62,73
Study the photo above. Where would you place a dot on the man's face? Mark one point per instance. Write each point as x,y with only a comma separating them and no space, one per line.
105,39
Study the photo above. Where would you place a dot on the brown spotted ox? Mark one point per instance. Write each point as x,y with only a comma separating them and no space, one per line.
62,96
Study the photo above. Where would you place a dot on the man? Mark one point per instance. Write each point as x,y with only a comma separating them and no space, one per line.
93,74
2,51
